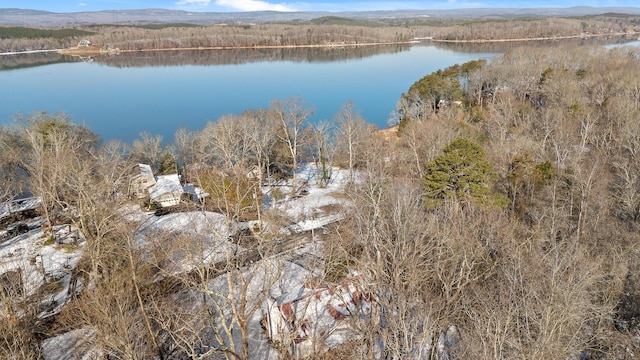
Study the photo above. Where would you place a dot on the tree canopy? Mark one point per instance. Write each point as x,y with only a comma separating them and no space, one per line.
441,85
463,173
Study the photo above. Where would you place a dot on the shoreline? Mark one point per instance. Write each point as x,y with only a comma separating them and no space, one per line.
28,52
97,51
93,51
533,39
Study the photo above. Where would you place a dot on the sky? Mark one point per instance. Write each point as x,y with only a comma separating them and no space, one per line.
297,5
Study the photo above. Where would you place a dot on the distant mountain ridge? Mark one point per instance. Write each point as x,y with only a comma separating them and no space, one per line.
23,17
15,11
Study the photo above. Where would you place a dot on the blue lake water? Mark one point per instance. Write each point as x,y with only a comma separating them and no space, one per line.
119,102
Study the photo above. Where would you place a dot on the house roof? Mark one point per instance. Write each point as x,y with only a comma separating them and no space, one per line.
145,170
318,314
195,191
165,184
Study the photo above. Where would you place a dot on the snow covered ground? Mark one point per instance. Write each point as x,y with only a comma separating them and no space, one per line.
182,240
186,240
76,344
40,261
9,207
320,204
253,285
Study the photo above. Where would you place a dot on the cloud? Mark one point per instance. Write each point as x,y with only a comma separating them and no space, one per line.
82,4
253,5
197,3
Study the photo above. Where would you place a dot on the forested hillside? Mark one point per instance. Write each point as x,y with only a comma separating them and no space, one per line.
324,31
552,273
501,217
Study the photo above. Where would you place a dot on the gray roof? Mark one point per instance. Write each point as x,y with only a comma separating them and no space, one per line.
145,170
165,184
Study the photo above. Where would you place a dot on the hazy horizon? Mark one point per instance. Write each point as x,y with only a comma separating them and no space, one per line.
308,5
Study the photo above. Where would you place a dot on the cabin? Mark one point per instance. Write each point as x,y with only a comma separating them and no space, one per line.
317,318
141,180
163,190
167,191
197,194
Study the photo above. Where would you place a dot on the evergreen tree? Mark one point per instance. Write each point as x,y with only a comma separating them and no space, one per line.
169,165
442,85
461,173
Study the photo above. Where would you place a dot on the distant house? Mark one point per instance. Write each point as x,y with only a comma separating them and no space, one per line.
167,190
141,180
161,190
84,43
317,319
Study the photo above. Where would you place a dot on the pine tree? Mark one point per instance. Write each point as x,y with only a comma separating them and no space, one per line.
169,165
461,173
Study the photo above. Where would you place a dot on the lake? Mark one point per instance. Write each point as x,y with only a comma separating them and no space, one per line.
121,96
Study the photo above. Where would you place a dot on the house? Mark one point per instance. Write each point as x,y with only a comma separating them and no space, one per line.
197,194
161,190
141,180
84,43
167,190
317,319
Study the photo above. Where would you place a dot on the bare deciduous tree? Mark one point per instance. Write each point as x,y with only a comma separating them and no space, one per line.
352,135
292,115
147,150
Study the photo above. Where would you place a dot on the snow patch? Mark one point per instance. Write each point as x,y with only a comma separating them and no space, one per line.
41,261
76,344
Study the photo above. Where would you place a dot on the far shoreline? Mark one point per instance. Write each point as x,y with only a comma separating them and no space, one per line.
95,50
585,36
